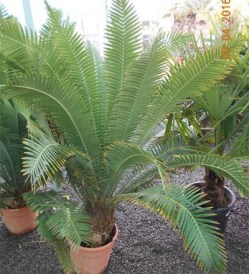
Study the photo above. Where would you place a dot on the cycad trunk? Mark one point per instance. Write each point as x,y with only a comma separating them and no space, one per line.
21,187
214,189
103,222
17,202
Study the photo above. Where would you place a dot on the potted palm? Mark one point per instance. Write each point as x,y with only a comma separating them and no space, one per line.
225,108
226,127
16,215
108,109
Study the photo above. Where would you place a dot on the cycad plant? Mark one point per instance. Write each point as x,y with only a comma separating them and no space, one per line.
15,121
13,129
13,184
224,111
225,107
108,109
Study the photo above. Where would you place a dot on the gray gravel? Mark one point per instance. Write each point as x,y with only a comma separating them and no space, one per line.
146,244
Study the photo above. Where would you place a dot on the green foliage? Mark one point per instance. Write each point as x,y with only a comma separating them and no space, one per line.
175,204
61,222
106,110
223,166
12,130
224,110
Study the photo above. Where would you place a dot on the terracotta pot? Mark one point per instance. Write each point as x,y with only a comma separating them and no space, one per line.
221,213
20,220
92,260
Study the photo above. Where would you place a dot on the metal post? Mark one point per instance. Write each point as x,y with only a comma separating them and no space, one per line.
106,10
28,14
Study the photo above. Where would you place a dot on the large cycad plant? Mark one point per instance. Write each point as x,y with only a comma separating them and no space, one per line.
108,109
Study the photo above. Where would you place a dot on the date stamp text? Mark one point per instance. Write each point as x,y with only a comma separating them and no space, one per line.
226,35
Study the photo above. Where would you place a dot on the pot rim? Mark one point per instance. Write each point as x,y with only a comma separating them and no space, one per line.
93,249
14,209
10,212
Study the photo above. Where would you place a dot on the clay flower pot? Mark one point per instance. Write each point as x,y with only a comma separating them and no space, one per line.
92,260
20,220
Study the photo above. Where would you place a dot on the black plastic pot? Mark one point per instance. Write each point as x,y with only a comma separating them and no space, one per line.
222,213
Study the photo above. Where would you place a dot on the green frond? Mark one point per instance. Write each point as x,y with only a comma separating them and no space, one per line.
225,99
122,158
215,102
187,81
61,222
122,48
138,87
13,129
59,246
176,40
138,179
239,148
53,95
47,200
7,169
223,166
64,49
140,83
167,149
182,207
44,157
70,225
20,46
81,60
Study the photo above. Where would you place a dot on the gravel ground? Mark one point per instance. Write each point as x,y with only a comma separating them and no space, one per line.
146,244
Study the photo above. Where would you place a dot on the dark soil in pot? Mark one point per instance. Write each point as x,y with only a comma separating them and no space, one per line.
109,239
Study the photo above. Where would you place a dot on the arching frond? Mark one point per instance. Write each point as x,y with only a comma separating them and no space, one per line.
191,79
63,225
221,165
122,158
44,156
182,207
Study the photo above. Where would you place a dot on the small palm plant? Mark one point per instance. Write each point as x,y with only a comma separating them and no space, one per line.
225,106
108,109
